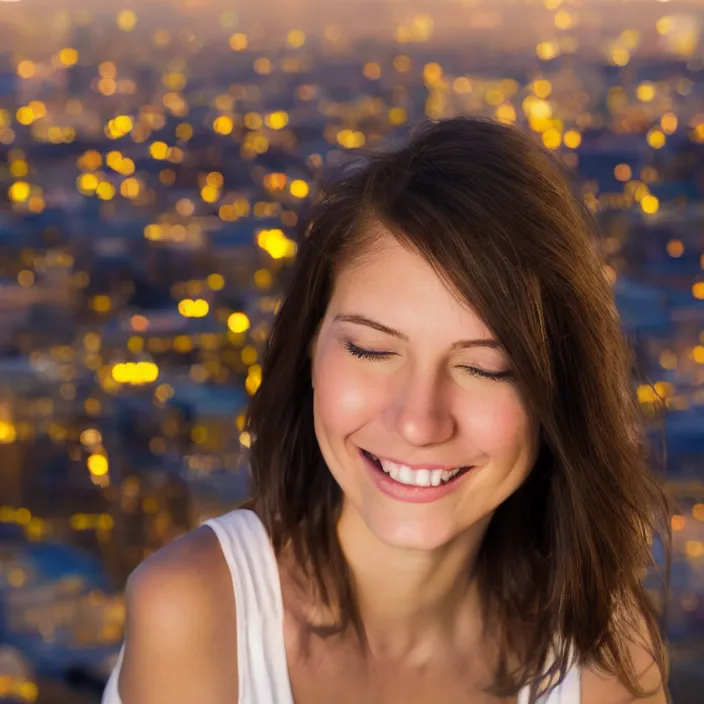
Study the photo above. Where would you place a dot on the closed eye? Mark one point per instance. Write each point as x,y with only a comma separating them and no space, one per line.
364,353
495,376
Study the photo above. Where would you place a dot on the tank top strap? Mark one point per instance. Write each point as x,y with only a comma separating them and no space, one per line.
261,653
567,692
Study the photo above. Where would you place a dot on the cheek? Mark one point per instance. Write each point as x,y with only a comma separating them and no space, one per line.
342,398
500,424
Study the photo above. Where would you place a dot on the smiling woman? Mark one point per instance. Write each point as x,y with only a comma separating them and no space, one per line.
452,500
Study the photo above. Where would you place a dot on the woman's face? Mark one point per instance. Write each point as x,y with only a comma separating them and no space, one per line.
422,440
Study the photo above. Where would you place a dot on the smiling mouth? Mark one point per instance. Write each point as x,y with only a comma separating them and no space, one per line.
415,477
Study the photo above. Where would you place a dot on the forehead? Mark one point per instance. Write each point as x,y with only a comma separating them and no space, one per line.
395,283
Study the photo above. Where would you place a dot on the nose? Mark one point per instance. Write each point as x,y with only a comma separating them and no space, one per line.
420,411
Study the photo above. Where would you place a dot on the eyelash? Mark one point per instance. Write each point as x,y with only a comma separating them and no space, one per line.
373,355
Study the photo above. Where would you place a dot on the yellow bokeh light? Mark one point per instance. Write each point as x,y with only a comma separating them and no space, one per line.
126,20
694,548
372,70
126,167
645,91
350,139
19,168
197,308
210,193
19,191
107,69
159,150
572,139
249,355
277,120
238,322
620,56
262,65
664,25
184,131
650,204
656,138
262,278
402,63
630,38
8,432
38,108
253,121
25,278
398,116
26,69
120,126
68,56
276,244
563,19
432,72
542,88
135,373
254,379
98,465
537,109
296,38
462,85
130,188
105,190
223,124
698,290
90,160
216,282
552,138
107,86
36,204
675,248
546,50
623,172
669,122
25,115
299,188
238,41
506,113
87,183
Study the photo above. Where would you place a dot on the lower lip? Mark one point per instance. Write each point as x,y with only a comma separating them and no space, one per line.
404,492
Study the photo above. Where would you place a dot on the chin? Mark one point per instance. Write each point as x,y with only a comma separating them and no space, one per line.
424,533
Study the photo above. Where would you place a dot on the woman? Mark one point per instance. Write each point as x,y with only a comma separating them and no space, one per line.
451,496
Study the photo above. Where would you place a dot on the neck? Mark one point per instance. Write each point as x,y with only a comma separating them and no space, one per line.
413,603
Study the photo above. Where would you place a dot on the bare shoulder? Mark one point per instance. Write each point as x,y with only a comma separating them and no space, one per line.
599,688
181,634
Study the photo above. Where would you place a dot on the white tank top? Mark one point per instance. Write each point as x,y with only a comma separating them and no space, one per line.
261,654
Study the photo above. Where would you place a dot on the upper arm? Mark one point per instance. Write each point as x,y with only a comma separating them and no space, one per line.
180,633
599,688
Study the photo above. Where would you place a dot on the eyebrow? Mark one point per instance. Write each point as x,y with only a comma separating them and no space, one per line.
368,322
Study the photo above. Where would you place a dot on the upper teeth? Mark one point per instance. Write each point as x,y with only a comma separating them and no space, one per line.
416,477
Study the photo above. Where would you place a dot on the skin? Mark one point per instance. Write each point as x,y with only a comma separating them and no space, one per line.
412,563
422,404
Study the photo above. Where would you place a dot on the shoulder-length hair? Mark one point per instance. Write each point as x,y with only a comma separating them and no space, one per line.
561,566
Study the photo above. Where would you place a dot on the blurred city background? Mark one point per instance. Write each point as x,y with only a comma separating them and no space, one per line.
155,158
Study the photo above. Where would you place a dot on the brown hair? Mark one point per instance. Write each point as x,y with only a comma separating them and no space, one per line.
496,216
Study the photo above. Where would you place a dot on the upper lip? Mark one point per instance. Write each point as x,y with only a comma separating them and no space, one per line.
425,465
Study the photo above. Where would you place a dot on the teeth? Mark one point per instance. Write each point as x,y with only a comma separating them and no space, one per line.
418,477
